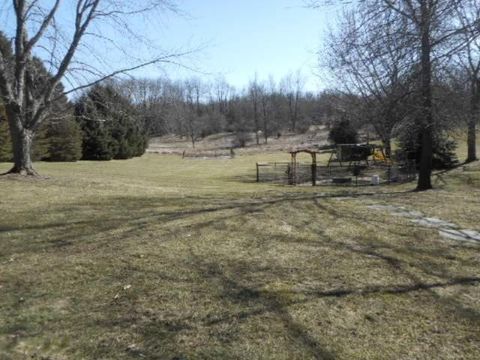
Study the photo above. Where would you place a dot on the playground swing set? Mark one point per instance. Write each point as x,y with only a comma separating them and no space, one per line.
366,164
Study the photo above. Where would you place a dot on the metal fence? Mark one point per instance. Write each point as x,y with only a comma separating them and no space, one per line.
307,173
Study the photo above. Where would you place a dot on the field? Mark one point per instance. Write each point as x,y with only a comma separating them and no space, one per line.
164,258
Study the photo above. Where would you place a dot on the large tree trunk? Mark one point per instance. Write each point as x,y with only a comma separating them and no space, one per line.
22,147
472,140
426,126
472,123
257,128
22,140
425,169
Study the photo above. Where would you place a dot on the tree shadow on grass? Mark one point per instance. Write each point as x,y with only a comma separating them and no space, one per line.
132,214
231,283
231,290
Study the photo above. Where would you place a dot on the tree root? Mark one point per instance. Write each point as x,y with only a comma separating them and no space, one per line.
22,172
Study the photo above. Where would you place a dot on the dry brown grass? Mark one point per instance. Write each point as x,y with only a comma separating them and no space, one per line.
161,258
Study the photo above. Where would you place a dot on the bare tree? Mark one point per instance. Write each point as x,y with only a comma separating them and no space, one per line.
468,13
193,92
267,95
222,92
292,87
433,35
254,95
372,68
36,30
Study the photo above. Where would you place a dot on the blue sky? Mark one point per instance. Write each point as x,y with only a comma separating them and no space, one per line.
239,38
236,39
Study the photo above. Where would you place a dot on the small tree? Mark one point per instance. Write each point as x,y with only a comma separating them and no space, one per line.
343,132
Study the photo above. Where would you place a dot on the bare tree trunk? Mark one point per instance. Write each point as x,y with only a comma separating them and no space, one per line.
293,118
425,171
295,112
192,136
472,123
472,140
387,143
265,119
21,145
255,120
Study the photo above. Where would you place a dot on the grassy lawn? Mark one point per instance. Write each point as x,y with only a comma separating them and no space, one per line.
164,258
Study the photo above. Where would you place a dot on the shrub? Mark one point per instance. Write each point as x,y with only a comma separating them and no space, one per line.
343,132
241,139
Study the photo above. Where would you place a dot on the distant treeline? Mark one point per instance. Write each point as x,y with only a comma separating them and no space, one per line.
114,120
194,108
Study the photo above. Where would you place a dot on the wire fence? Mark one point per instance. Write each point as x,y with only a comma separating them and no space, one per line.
353,174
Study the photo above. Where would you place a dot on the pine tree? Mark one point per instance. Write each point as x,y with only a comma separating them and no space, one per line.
56,140
110,129
5,142
444,155
64,141
343,132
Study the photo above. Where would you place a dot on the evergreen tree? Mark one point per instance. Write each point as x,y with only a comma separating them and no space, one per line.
40,144
5,142
343,132
39,148
444,155
64,140
110,129
56,140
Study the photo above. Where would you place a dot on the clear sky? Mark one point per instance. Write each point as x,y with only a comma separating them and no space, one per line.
237,38
241,38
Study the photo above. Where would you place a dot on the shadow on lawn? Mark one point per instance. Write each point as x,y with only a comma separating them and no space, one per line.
265,302
132,214
231,283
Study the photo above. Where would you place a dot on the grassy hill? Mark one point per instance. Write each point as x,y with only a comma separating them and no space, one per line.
164,258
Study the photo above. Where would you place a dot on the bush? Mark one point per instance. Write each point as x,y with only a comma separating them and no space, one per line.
343,132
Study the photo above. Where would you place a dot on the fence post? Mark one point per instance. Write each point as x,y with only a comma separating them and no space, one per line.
258,173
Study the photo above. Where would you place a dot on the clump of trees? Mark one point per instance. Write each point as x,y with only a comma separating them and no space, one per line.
57,32
101,125
194,109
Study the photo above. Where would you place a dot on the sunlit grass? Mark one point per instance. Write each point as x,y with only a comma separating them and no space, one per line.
164,258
